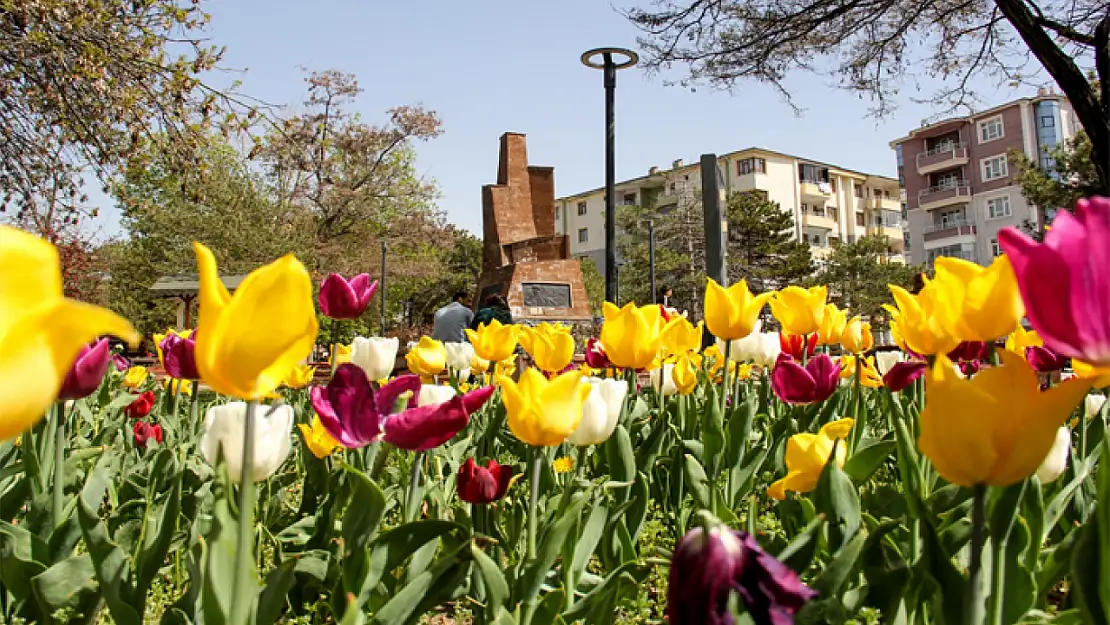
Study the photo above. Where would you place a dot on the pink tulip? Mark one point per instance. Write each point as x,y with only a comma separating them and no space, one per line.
795,384
179,356
596,358
1043,359
1065,281
87,371
903,374
346,299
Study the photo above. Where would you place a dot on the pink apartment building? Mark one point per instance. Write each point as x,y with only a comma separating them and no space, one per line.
957,179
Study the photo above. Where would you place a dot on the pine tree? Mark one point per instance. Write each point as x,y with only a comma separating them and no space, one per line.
761,244
858,277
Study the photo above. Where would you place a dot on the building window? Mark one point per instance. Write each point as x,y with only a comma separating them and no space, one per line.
751,166
996,249
805,208
558,213
859,219
990,129
998,207
832,184
581,208
815,240
812,173
818,211
995,168
583,235
834,213
672,187
859,191
629,199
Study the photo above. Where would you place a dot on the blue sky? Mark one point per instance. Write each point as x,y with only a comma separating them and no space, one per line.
493,66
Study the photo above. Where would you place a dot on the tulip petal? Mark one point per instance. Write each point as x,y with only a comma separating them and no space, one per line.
797,481
32,275
474,400
426,427
791,382
387,396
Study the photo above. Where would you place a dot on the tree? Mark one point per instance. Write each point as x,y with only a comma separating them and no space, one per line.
1071,175
871,46
595,285
857,275
761,244
83,82
679,253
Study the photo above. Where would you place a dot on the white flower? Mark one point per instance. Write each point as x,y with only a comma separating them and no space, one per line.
376,356
885,361
600,412
459,357
1057,459
224,427
1093,404
433,394
665,371
762,348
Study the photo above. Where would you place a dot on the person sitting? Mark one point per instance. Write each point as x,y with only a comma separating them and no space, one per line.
452,320
495,307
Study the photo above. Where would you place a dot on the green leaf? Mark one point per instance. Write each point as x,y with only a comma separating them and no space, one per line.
713,433
547,612
696,481
591,535
886,570
271,601
1019,586
160,527
497,589
425,588
838,499
67,584
799,554
937,565
1059,504
24,555
863,464
395,546
740,430
531,580
220,548
603,593
360,524
111,563
836,572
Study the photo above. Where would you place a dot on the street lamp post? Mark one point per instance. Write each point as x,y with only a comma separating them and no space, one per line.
609,65
651,258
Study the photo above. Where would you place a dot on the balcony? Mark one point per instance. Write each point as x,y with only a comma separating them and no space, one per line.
949,229
886,204
944,195
819,221
894,233
817,189
944,156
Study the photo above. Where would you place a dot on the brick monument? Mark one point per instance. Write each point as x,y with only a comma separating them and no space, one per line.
522,257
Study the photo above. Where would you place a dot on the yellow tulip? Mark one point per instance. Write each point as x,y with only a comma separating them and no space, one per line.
800,311
493,342
478,366
248,342
806,456
978,303
681,337
159,337
41,331
427,358
1022,338
685,375
171,385
300,376
916,321
543,412
856,337
633,335
743,371
135,377
505,368
551,347
731,313
317,439
832,326
1098,376
869,377
342,355
995,428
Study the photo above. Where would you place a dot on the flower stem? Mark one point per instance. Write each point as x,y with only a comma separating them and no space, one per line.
244,560
975,609
59,462
533,511
176,384
334,345
724,377
857,407
412,501
194,407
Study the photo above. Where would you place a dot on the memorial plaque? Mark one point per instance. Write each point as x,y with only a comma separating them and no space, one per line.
546,295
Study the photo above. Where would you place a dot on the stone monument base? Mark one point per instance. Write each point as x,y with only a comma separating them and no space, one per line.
546,290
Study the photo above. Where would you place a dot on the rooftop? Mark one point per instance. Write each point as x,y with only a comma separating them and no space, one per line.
189,284
925,127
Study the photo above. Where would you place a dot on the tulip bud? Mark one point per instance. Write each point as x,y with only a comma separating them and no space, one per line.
179,357
224,427
856,337
815,382
122,363
1057,459
142,405
481,485
1093,404
459,356
376,356
903,374
1044,360
662,380
346,299
600,412
87,371
144,431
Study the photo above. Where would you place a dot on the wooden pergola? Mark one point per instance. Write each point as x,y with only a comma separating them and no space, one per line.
184,289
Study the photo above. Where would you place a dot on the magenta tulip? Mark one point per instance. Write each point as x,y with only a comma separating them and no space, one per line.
87,371
179,357
795,384
705,571
121,362
596,358
903,374
1065,281
346,299
1043,359
970,351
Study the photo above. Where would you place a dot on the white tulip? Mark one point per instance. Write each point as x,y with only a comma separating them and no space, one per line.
376,356
1093,404
601,411
1057,459
759,347
885,361
665,371
459,356
224,428
434,394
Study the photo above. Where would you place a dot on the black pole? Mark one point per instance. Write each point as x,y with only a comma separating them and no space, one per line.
381,287
651,259
611,271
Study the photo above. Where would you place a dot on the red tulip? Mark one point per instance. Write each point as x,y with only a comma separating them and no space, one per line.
903,374
596,358
1065,281
970,351
141,407
87,371
477,484
346,299
793,344
144,431
1044,359
815,382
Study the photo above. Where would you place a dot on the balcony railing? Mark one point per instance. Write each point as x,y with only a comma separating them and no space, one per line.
950,228
948,154
948,225
944,194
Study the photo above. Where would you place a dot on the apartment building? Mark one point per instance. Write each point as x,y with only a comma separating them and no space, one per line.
958,178
829,204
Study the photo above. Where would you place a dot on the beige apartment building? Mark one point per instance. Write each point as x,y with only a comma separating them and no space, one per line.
830,204
958,177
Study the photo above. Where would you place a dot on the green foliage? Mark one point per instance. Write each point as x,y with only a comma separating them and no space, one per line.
679,253
1072,175
595,284
761,244
858,274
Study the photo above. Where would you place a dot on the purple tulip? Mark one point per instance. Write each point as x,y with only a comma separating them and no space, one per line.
705,572
795,384
1044,360
903,374
87,371
1065,281
356,415
121,362
346,299
179,357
